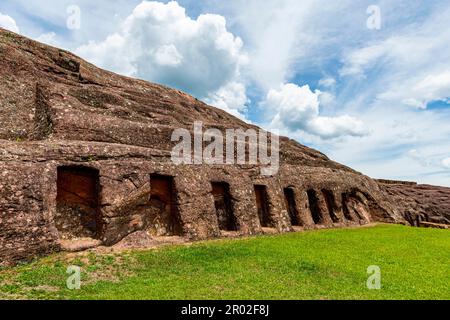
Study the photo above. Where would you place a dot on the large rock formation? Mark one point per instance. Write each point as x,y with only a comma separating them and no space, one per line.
85,154
420,205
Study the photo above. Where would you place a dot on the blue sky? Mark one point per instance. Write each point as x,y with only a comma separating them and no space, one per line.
321,72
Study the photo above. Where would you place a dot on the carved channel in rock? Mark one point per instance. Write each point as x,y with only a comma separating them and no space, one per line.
77,210
331,204
43,123
345,208
355,206
316,214
262,204
224,206
291,205
163,206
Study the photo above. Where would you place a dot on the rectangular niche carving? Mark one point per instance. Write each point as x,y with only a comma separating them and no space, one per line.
289,197
316,214
262,204
163,205
224,206
77,203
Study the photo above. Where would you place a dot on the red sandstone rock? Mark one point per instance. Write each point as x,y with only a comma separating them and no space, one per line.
420,204
86,152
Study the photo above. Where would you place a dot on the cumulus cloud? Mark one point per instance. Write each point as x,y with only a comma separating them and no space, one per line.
333,127
231,98
9,23
160,43
297,109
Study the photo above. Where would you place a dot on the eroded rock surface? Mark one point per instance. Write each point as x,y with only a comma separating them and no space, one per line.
421,205
86,153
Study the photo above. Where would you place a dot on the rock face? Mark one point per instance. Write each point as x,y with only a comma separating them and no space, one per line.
86,154
421,205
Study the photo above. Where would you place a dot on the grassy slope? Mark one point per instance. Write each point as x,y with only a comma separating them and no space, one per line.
328,264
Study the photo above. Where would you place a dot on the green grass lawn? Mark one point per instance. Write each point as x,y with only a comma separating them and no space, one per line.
328,264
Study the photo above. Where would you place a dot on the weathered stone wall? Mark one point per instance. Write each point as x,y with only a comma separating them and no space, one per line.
29,192
419,203
25,228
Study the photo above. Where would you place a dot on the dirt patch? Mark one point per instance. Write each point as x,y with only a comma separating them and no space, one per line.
143,240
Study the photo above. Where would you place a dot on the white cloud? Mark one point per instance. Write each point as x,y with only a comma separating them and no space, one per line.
433,87
359,60
98,18
279,34
111,54
410,66
327,82
418,156
446,163
420,90
8,23
297,109
404,144
390,79
160,43
231,98
326,98
334,127
48,38
167,55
